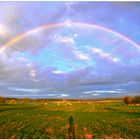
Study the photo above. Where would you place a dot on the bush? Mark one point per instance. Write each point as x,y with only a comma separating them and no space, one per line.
128,100
12,101
2,100
26,100
136,99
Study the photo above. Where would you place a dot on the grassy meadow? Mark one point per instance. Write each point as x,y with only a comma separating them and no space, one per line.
50,119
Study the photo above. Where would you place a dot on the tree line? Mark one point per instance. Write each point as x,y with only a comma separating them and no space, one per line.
132,100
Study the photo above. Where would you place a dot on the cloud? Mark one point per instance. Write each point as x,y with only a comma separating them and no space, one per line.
17,20
95,94
104,55
81,56
3,83
58,72
25,90
12,69
57,95
102,91
33,73
10,22
107,91
88,92
114,74
4,31
69,49
64,62
64,39
64,95
89,75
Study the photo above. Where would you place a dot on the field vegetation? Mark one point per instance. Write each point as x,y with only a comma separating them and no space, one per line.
29,118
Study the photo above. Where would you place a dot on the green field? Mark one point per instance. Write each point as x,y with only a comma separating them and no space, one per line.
50,119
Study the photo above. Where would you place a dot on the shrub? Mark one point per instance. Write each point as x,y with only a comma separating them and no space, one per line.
2,100
12,101
136,99
26,100
128,100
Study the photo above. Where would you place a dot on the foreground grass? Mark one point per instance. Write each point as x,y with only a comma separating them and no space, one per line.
108,119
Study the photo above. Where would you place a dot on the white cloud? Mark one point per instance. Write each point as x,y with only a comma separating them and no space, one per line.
64,39
81,56
95,94
75,35
57,95
23,59
3,30
25,89
33,73
64,95
69,49
103,54
107,91
88,92
9,22
121,89
68,23
52,95
58,72
102,91
3,83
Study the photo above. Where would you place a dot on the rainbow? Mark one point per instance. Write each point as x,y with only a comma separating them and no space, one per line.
53,25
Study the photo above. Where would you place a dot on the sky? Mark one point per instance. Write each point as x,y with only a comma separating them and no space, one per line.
69,49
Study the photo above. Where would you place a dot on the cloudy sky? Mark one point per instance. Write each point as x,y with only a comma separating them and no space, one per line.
69,49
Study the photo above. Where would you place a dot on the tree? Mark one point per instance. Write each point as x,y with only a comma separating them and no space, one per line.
26,100
13,101
137,99
2,100
128,100
71,130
